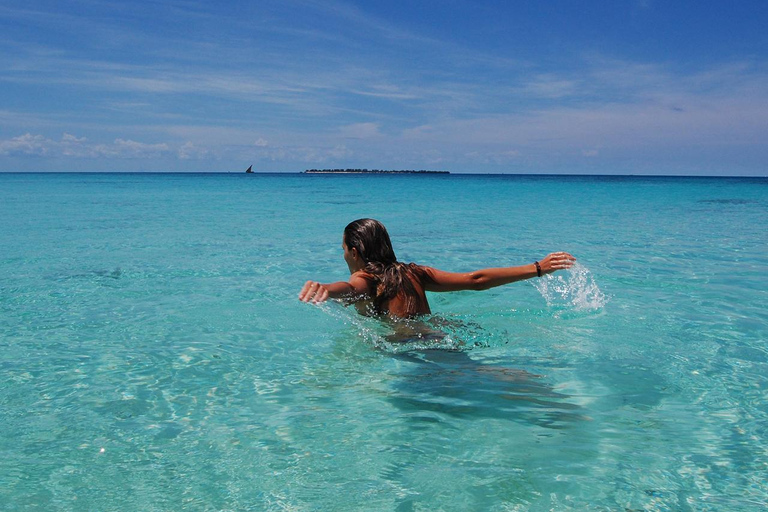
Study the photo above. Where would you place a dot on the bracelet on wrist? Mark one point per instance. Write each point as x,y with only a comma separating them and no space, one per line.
538,268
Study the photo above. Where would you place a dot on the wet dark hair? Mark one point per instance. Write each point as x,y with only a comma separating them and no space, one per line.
387,277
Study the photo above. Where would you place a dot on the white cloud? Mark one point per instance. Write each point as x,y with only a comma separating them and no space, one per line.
27,144
190,151
131,148
386,94
318,114
311,155
71,146
66,137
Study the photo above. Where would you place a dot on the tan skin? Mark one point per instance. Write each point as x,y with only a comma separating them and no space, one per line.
357,287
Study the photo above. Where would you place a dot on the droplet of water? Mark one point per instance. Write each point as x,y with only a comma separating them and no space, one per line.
574,288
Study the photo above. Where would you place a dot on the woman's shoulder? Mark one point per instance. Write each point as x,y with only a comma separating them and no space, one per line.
422,272
362,278
360,274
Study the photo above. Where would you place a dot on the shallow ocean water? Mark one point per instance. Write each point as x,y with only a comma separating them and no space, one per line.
153,354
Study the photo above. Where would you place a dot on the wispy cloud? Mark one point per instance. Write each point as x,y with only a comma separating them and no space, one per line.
549,86
360,131
71,146
194,81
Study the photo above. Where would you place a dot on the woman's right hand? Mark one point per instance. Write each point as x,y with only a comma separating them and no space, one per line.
313,292
556,261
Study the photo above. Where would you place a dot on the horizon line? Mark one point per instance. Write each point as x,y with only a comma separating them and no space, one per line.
433,174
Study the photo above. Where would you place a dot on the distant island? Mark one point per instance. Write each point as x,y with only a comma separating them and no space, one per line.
371,171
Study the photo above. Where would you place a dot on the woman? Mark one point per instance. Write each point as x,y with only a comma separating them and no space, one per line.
381,285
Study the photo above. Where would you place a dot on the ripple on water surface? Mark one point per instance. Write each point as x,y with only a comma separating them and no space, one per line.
154,355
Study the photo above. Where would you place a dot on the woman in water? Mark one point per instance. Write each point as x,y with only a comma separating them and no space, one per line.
381,285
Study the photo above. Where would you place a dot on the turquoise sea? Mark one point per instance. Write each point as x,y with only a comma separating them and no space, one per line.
154,355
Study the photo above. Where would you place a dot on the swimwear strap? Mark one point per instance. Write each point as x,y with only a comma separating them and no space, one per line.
538,268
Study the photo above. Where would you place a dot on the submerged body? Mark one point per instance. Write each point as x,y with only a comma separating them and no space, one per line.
381,285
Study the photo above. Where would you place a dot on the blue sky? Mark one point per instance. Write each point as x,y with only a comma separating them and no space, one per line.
607,87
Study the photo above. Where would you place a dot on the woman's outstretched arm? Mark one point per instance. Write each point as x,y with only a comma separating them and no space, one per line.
318,292
441,281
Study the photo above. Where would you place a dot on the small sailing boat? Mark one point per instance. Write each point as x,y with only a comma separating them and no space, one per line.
249,169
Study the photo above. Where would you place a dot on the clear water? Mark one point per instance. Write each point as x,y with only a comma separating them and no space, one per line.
153,355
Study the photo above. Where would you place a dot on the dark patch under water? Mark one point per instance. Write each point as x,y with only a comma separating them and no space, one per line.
728,201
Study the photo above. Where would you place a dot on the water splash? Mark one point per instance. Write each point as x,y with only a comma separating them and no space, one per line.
574,288
396,336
